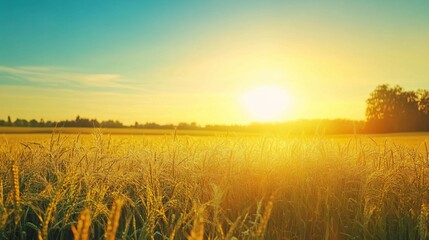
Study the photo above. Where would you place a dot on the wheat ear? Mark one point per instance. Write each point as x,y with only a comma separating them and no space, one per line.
81,231
16,193
197,232
265,217
113,223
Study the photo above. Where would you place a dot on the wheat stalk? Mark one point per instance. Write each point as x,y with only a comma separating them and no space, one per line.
16,195
197,232
39,235
176,226
3,211
265,217
232,228
423,221
51,209
113,222
81,231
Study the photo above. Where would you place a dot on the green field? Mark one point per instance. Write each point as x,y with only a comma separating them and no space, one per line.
212,186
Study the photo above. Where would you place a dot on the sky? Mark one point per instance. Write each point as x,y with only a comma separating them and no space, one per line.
174,61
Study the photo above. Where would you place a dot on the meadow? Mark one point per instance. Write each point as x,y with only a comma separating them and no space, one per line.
220,186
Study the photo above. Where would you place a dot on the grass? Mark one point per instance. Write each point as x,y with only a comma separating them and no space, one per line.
219,187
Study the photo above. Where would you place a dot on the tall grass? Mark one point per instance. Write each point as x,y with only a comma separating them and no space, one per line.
225,187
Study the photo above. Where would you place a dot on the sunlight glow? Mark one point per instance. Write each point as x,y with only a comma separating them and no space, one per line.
266,103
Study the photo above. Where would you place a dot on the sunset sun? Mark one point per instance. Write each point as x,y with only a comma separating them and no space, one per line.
266,103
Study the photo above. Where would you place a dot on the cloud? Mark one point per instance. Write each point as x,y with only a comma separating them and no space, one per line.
56,77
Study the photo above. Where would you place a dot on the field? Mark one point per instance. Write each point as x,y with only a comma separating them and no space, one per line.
216,186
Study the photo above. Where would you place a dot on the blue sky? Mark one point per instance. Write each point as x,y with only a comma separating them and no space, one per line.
167,61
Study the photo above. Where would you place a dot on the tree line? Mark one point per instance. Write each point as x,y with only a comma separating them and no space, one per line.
78,122
323,126
388,109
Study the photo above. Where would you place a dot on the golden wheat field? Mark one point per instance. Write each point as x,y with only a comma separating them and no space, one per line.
100,186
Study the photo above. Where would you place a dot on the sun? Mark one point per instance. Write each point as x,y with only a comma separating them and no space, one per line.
266,103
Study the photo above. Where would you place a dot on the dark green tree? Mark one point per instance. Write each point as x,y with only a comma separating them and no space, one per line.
423,105
33,123
392,109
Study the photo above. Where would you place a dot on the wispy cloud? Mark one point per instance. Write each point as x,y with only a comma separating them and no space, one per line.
57,77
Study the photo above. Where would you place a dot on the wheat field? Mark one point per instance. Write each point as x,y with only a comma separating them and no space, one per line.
103,186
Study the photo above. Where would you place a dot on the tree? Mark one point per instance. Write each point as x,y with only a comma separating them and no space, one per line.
423,106
112,124
33,123
21,122
391,109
